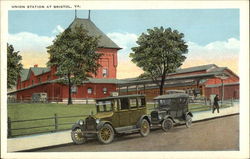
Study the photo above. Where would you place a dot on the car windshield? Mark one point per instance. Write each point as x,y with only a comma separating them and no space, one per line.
163,103
104,106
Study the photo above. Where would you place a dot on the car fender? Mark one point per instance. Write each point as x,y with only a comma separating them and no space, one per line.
77,126
188,113
168,116
141,118
99,125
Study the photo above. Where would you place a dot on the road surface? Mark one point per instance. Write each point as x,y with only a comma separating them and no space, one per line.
211,135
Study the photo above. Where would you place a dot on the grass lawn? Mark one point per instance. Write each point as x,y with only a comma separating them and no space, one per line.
35,111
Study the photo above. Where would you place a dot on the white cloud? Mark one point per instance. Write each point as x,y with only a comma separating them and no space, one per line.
217,49
25,41
58,29
32,47
221,53
126,41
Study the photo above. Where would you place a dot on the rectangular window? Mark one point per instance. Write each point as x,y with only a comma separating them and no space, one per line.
142,102
124,103
105,72
39,80
105,90
48,77
90,90
73,89
133,103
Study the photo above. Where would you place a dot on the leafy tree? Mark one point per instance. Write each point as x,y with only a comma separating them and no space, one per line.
73,54
159,52
14,66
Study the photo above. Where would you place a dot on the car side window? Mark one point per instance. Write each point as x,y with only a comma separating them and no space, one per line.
141,102
133,103
115,105
124,104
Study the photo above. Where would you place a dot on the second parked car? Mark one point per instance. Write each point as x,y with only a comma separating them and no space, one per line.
171,109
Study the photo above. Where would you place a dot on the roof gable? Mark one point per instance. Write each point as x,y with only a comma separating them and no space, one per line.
25,73
87,24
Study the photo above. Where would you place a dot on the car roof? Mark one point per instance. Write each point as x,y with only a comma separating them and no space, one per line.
123,96
175,95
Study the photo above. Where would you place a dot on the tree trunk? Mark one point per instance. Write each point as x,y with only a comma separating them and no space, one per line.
69,98
162,82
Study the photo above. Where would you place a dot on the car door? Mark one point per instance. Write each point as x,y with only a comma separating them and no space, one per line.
124,113
134,113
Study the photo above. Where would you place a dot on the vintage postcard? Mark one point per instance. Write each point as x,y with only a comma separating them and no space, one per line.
124,79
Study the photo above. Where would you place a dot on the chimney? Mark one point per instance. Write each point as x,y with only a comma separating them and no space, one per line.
36,65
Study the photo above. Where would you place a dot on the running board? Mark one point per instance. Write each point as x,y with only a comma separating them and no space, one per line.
127,129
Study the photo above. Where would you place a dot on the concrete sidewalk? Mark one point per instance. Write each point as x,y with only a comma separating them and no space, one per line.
63,137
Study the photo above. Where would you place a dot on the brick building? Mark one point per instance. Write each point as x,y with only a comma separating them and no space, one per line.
42,79
199,80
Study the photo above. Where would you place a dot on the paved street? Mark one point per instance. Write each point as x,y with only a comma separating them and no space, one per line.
215,134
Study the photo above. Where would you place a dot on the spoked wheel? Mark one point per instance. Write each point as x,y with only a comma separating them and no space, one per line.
145,128
167,124
106,134
78,136
188,121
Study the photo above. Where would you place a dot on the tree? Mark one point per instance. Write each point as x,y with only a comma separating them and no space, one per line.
14,66
159,52
73,54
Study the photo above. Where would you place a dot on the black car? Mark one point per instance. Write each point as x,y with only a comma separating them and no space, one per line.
171,109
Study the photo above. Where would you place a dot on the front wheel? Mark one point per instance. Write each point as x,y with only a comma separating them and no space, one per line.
78,136
188,121
145,128
167,124
106,134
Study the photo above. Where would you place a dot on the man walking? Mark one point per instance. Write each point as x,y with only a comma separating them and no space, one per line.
216,104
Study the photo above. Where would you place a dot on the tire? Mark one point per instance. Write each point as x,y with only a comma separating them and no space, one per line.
144,128
106,134
167,124
78,137
188,121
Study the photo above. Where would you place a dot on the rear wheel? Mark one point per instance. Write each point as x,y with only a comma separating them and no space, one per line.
188,121
106,134
78,136
167,124
145,128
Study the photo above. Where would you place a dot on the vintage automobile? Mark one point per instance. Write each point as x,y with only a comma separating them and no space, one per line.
115,115
171,109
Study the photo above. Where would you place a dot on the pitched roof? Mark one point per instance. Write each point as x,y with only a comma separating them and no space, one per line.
36,70
196,68
24,74
39,70
104,41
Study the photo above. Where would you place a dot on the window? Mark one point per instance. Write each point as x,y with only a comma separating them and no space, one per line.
124,103
90,90
105,90
105,72
48,77
73,89
39,80
32,82
104,106
133,103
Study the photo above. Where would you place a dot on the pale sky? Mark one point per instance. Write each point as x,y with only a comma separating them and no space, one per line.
212,34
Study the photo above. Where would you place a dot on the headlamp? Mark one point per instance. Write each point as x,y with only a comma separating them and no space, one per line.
97,121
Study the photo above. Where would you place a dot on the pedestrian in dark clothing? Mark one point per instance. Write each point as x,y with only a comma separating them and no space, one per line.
216,104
